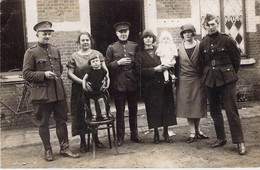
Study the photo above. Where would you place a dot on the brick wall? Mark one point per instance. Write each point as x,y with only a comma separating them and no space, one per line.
249,76
58,10
257,7
174,32
173,9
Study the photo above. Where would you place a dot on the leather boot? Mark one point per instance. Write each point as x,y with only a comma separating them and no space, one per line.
218,143
241,148
83,144
83,147
48,155
68,153
98,144
156,136
166,135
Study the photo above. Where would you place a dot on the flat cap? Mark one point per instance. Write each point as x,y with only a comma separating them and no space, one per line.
43,26
208,18
122,26
187,27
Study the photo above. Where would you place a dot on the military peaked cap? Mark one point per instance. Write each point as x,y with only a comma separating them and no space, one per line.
122,26
43,26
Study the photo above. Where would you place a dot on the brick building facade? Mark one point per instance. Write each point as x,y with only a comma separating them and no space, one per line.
239,18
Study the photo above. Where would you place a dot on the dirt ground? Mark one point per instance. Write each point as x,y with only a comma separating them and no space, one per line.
148,155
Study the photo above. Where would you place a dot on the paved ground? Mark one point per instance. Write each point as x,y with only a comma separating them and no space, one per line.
22,148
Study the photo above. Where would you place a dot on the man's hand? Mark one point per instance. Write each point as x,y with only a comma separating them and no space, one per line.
124,61
50,75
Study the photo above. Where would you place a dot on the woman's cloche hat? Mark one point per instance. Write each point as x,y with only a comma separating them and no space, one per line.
187,27
146,33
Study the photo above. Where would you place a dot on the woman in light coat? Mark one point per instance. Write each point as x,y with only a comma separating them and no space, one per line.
191,99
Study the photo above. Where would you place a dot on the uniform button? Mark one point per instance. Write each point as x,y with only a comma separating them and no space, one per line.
124,50
212,50
213,67
125,55
228,69
211,45
52,65
124,45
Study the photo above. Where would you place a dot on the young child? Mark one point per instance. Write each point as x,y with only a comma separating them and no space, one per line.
96,77
167,52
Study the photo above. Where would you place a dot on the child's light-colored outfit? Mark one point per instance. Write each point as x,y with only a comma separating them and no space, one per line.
167,53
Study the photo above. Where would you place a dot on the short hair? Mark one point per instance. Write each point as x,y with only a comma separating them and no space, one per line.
92,43
193,34
205,23
92,58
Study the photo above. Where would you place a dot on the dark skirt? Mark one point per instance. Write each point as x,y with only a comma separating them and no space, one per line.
78,115
160,108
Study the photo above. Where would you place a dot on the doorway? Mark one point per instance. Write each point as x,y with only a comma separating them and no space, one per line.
12,35
105,13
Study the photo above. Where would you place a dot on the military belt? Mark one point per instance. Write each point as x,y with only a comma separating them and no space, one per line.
220,62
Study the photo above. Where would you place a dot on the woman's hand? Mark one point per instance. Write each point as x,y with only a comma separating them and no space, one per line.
105,84
160,68
86,86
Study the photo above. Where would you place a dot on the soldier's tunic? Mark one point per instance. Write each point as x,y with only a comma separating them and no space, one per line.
47,95
124,83
220,58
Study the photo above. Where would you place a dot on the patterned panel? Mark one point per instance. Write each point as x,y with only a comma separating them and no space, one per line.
211,7
233,16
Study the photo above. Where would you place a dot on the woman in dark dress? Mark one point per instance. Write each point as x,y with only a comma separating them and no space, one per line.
158,96
77,67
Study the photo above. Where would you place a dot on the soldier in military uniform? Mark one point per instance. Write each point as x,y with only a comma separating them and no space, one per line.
220,58
121,62
42,68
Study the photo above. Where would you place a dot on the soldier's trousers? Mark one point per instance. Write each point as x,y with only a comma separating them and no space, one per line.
43,112
226,94
120,100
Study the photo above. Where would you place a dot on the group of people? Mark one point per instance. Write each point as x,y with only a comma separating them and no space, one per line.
201,70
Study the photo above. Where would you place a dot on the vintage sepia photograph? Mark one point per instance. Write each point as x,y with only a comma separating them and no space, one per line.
130,84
